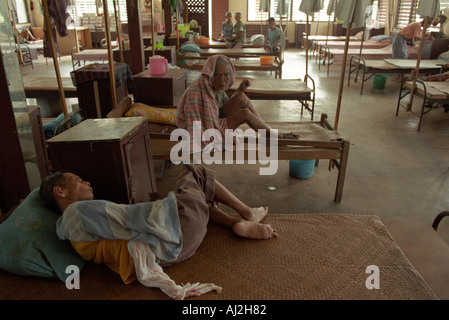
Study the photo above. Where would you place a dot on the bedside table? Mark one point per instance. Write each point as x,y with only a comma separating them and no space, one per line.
114,155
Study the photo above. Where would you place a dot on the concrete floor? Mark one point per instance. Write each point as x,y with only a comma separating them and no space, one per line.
393,170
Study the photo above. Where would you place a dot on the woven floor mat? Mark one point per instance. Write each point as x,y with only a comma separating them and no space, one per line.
316,256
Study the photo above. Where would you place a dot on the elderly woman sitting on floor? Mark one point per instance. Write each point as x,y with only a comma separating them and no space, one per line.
205,100
136,240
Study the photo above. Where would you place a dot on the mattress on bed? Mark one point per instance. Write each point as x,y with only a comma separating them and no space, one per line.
354,44
372,54
91,55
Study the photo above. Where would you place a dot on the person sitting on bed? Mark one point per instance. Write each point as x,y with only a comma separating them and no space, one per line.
227,27
205,100
440,77
273,40
186,210
238,39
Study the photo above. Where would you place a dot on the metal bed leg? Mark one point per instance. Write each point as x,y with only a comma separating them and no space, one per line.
438,219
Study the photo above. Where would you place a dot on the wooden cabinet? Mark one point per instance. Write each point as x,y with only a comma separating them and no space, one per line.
300,29
65,44
93,87
168,52
165,89
433,48
114,155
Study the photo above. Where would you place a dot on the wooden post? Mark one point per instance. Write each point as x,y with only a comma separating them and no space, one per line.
342,77
152,29
415,73
117,28
360,52
327,31
55,58
16,32
76,32
137,58
110,57
307,48
176,28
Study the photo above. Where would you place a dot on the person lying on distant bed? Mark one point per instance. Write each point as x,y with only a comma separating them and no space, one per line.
438,78
136,240
206,100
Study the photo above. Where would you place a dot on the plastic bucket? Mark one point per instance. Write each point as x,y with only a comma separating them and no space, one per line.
379,81
302,169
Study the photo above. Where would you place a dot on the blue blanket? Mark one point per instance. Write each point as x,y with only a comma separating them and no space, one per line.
155,223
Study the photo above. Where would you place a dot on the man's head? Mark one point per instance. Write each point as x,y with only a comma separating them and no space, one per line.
238,16
271,23
63,188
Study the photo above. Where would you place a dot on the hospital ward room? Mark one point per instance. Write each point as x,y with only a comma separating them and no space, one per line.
250,153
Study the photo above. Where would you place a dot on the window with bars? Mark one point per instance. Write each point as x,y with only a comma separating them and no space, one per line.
295,15
406,13
20,12
383,10
89,7
253,11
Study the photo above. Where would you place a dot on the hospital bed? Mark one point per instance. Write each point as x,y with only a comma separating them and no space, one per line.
369,68
194,63
235,53
318,47
330,38
336,55
222,45
88,55
429,91
281,89
317,140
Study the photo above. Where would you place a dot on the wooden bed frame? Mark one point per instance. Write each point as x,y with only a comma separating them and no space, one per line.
47,87
242,65
373,67
88,55
336,55
424,90
235,53
222,45
336,150
269,89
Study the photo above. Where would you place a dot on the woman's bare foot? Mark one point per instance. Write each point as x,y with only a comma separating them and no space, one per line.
257,214
254,230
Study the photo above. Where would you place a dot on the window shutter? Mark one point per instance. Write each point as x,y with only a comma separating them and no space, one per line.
253,11
406,13
383,7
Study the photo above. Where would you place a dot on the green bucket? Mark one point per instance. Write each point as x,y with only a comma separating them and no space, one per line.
302,169
379,81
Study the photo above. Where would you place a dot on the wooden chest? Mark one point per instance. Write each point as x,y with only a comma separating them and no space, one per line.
163,90
114,155
93,87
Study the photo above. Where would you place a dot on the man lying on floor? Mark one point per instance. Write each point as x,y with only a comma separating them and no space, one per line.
136,240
